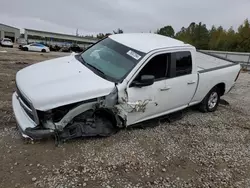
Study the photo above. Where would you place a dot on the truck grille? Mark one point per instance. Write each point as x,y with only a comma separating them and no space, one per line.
27,107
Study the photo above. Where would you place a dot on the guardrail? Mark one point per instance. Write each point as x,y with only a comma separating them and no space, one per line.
242,58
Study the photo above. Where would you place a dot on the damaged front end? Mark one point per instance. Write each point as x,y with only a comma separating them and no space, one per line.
94,117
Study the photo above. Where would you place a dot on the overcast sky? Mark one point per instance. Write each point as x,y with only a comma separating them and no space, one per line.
94,16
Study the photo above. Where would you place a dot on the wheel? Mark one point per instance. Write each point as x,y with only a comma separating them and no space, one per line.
43,50
25,49
211,101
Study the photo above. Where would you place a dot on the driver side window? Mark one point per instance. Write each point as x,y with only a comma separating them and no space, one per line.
158,66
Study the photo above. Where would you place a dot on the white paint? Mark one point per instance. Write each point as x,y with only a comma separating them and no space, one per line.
209,79
6,42
59,82
205,61
65,80
22,118
150,95
146,42
36,48
179,92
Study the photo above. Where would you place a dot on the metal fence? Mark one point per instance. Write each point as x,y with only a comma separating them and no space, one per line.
242,58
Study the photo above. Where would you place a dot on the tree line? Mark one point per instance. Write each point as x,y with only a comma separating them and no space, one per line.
198,35
216,38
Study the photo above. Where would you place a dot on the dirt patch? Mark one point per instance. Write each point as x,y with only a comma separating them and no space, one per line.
198,150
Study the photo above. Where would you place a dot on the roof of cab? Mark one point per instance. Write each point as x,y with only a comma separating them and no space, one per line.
146,42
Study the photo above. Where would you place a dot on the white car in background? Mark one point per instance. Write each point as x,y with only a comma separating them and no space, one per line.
6,42
36,47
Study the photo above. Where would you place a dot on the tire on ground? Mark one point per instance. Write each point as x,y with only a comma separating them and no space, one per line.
204,105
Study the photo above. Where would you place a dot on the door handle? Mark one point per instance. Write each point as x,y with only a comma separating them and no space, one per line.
191,82
165,88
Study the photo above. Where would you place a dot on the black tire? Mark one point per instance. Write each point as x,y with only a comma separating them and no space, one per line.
43,50
25,49
205,105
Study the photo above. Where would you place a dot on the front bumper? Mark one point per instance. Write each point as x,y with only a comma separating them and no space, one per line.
23,120
27,126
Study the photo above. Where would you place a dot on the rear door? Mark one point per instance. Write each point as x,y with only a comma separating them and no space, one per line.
180,88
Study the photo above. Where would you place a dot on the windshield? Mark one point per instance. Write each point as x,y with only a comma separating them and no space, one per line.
110,59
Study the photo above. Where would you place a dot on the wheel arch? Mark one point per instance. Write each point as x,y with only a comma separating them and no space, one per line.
222,88
116,120
25,48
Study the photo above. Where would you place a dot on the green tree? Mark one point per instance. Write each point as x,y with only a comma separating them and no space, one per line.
166,31
200,36
244,37
184,36
102,35
216,38
195,34
231,40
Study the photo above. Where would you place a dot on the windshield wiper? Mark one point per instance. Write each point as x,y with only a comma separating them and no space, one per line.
91,66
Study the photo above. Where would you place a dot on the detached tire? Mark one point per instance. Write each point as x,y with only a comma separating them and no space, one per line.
211,101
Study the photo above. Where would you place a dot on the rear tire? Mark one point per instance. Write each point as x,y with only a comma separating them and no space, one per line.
43,50
25,49
211,101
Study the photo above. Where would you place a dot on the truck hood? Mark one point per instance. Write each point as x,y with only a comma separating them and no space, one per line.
60,81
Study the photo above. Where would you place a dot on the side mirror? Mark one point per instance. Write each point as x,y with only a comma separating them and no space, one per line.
145,80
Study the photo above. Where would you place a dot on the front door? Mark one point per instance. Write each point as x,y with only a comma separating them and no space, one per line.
173,89
146,102
32,47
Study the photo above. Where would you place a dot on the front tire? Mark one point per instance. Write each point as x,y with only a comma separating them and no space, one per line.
43,50
211,101
25,49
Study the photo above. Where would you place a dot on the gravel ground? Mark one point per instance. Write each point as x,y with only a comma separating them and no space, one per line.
198,150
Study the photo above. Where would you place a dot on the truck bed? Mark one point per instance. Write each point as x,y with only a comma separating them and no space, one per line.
208,62
214,70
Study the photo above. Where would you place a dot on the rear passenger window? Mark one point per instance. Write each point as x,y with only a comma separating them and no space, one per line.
183,63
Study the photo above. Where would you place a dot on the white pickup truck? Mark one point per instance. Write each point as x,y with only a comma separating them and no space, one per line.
121,80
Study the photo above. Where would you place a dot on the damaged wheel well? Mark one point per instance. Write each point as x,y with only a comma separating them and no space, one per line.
107,113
